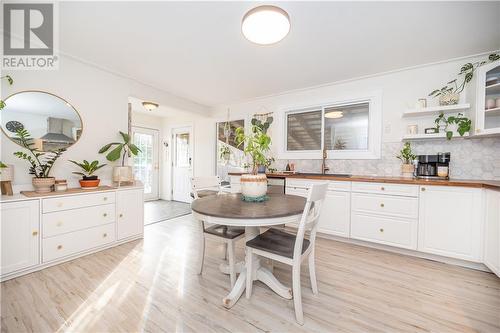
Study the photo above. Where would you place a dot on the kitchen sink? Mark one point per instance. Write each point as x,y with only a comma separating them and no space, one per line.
344,175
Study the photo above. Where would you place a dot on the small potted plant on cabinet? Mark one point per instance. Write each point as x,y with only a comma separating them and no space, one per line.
121,173
406,156
40,162
256,145
89,180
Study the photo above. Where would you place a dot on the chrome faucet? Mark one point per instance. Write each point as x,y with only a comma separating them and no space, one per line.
324,168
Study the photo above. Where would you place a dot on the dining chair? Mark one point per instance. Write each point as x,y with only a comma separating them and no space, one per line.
291,249
203,187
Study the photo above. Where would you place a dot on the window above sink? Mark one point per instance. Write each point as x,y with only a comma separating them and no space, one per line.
347,129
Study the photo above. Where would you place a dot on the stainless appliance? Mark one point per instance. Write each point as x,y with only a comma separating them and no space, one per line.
434,166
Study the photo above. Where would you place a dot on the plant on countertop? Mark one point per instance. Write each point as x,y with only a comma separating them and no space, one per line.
463,124
88,169
256,145
40,162
10,81
121,149
466,74
406,154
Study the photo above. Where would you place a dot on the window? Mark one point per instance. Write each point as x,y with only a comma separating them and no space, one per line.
347,130
230,156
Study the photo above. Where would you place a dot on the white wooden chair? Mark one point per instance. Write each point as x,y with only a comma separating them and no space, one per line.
291,249
205,186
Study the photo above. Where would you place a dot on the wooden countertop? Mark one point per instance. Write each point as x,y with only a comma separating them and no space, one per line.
490,184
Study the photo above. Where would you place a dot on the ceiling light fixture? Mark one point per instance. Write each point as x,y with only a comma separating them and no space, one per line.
150,106
334,115
265,25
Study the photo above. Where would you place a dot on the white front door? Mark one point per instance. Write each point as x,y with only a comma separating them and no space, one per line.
146,165
182,161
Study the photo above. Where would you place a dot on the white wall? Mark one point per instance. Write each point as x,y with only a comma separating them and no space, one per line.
101,99
400,90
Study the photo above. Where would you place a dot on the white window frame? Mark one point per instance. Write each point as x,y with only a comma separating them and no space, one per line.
374,130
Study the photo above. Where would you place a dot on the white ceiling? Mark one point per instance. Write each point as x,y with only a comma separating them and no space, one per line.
196,50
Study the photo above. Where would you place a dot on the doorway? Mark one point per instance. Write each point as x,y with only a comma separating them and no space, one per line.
182,163
146,164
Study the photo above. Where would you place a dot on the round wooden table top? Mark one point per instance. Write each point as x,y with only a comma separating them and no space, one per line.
231,206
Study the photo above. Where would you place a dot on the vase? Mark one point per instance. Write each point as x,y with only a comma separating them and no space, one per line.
89,184
43,185
253,186
123,174
449,99
407,170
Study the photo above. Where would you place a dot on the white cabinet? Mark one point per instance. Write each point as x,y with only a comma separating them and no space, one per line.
129,213
492,231
20,235
485,115
336,214
450,222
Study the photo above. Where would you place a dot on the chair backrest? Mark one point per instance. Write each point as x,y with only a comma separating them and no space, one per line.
205,183
310,216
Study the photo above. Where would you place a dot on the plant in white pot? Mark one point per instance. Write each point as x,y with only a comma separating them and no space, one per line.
40,162
121,173
255,146
406,156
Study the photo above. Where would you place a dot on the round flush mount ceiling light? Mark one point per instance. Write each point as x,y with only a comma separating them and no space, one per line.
265,25
334,114
150,106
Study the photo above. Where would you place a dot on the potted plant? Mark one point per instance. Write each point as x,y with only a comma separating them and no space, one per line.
225,153
256,145
406,156
458,123
40,162
262,167
89,180
450,93
121,173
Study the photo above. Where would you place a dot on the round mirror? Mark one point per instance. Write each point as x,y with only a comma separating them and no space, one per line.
51,121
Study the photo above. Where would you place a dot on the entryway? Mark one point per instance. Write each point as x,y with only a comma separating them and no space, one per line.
182,163
146,164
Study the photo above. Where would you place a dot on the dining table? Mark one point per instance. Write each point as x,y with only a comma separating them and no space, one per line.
230,209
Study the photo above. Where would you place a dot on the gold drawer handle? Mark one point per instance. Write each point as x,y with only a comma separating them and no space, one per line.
59,223
121,215
423,189
382,188
34,233
59,247
381,230
382,205
105,235
105,198
105,214
59,204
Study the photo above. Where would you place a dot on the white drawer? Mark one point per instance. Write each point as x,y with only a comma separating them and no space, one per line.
384,230
61,222
333,185
384,188
67,244
296,191
406,207
77,201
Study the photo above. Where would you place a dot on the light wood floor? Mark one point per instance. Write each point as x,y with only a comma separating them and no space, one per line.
152,286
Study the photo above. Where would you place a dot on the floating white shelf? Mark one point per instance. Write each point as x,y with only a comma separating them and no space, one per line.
440,135
493,89
493,112
435,110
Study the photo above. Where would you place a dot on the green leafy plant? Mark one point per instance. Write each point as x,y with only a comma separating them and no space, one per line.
120,149
466,74
262,125
10,81
255,145
406,155
40,162
463,124
2,165
224,152
88,168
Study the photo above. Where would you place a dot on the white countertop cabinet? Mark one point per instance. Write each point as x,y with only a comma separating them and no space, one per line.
20,235
41,232
492,231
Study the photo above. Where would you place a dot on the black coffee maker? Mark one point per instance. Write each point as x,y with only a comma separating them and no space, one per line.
434,166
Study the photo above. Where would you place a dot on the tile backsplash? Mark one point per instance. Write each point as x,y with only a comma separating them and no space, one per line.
470,159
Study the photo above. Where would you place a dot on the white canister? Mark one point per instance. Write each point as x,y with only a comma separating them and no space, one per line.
412,129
